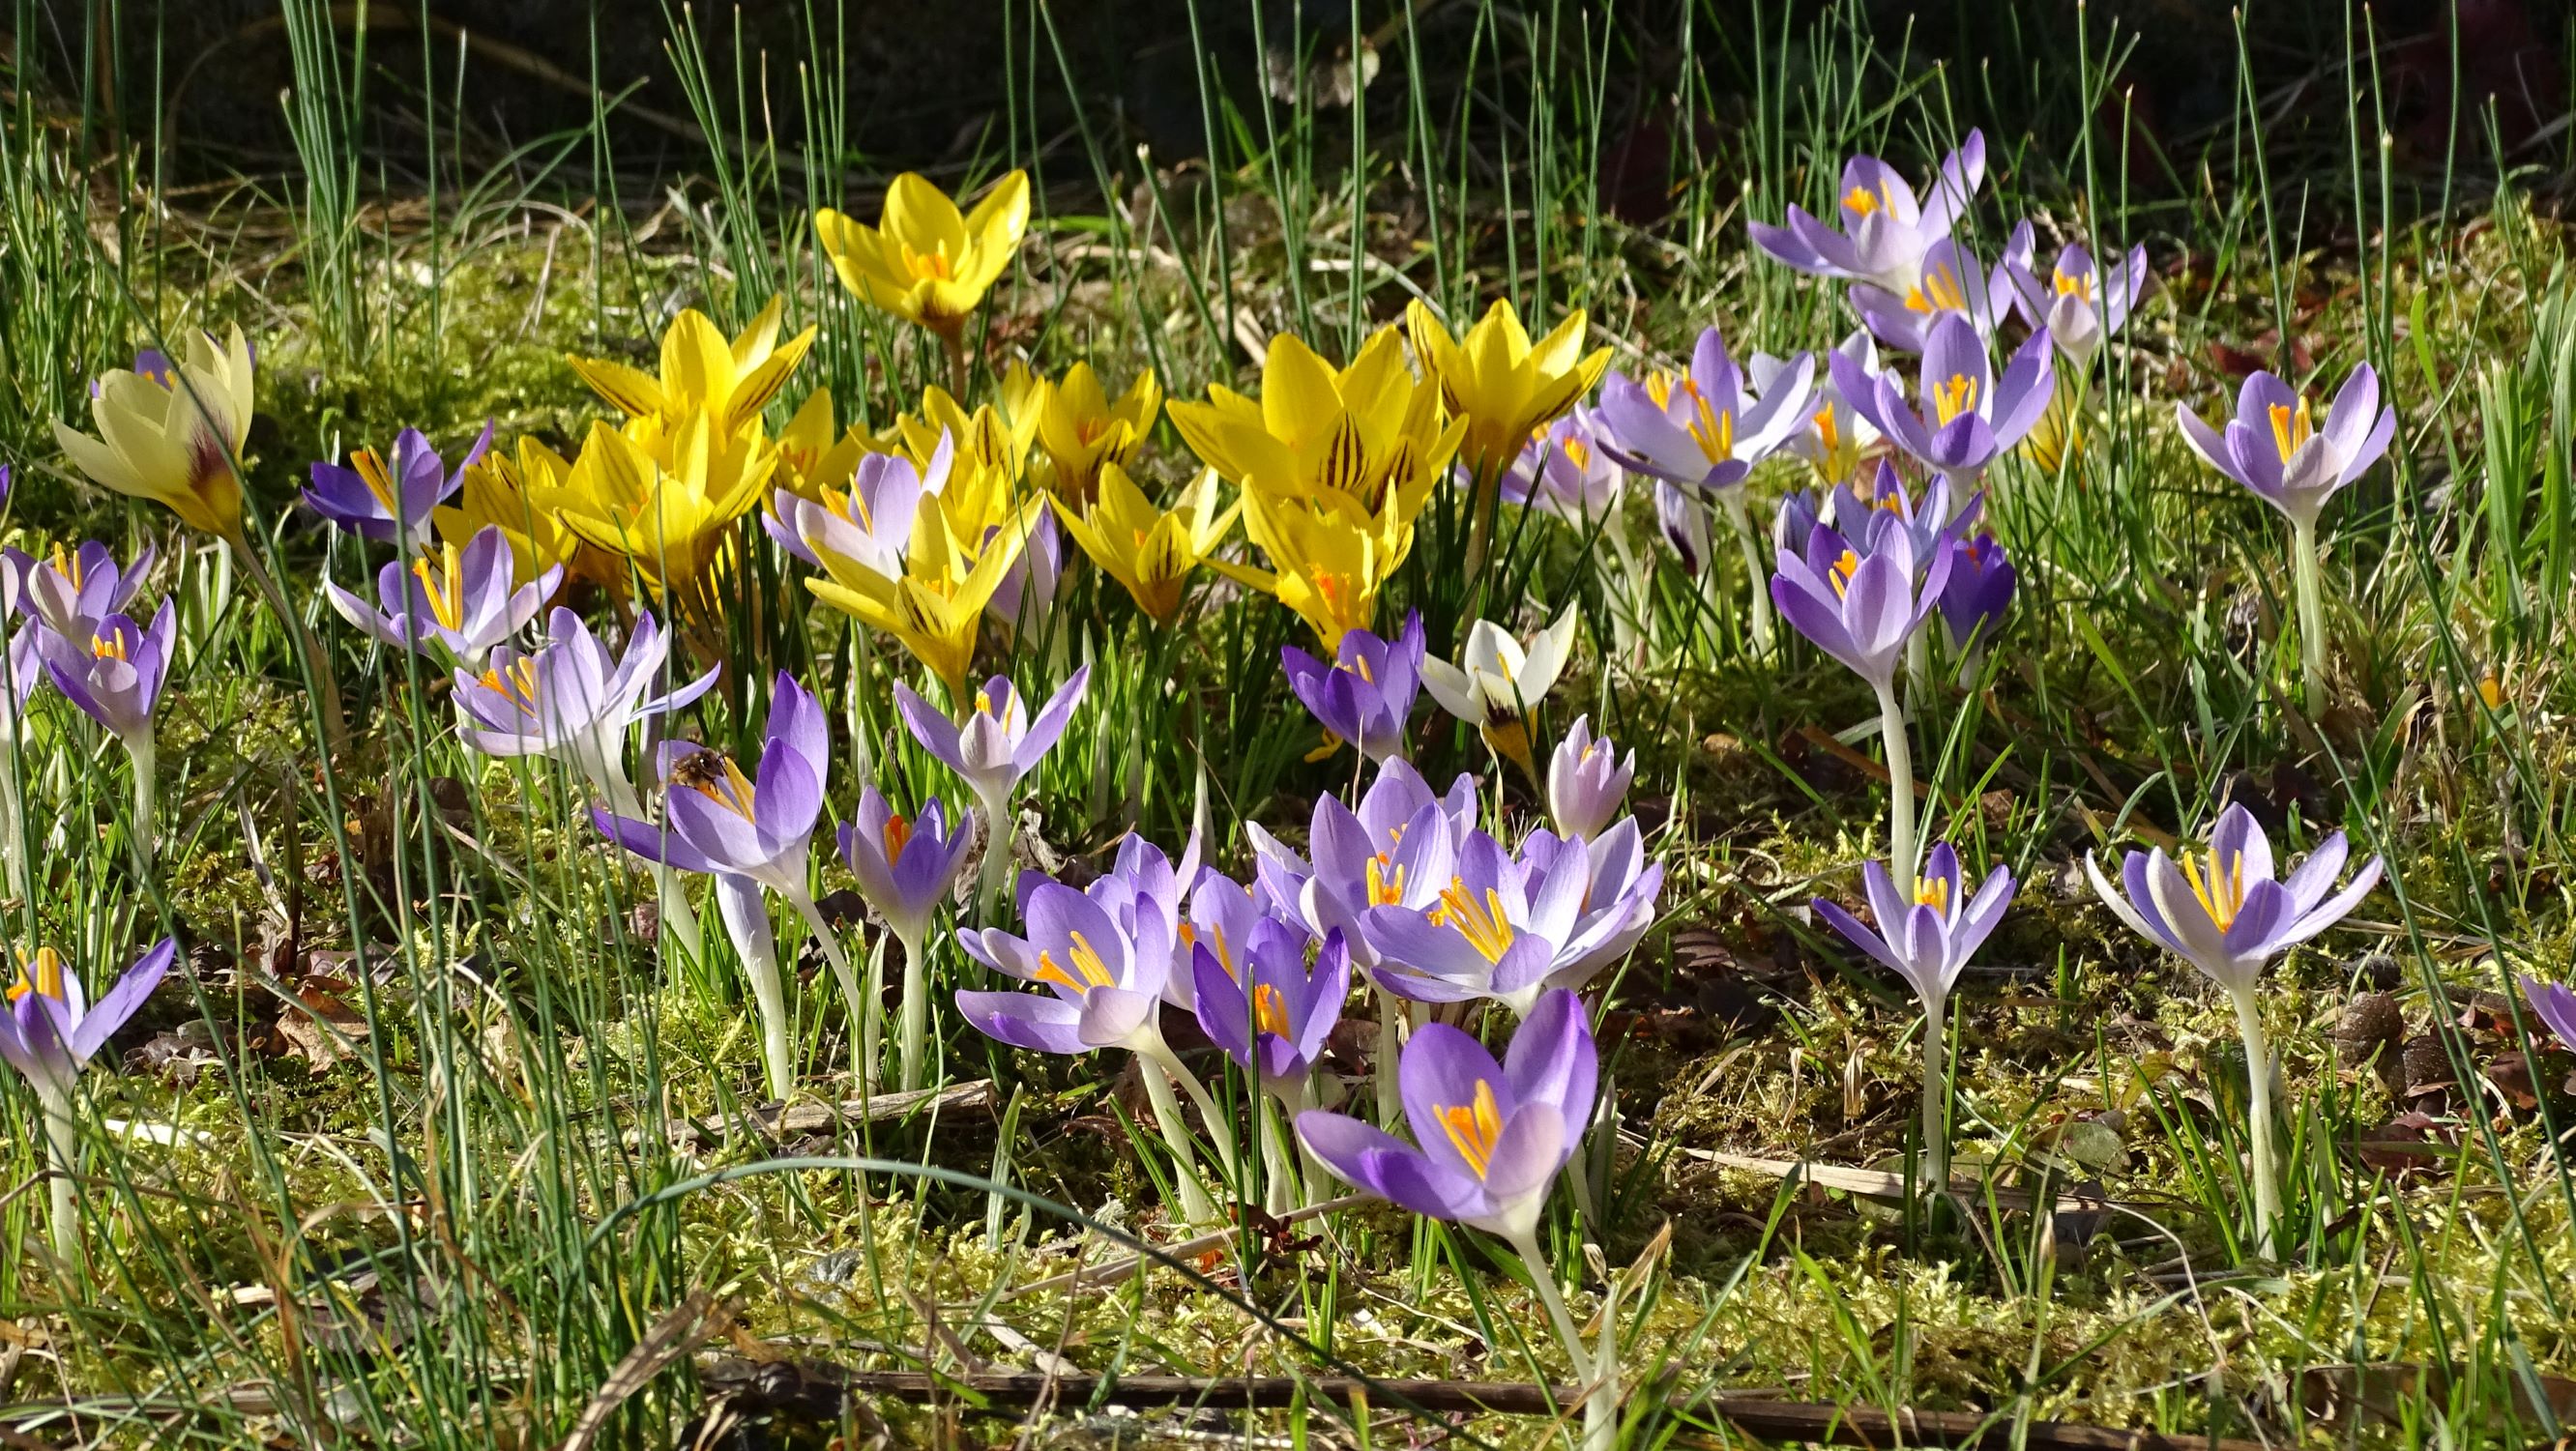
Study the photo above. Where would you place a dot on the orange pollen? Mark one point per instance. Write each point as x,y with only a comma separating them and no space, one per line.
1385,881
1269,1011
1473,1128
446,591
1955,397
2290,429
1086,961
1843,570
898,835
928,266
519,686
108,647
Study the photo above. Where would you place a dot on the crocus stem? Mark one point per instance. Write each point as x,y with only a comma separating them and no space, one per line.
1601,1399
746,919
1195,1205
1936,1094
1754,574
1480,526
13,826
2258,1079
144,757
62,1157
1220,1128
1900,792
952,340
2312,612
1313,1192
1001,835
678,920
863,1008
1918,667
1278,1162
1390,1102
916,1013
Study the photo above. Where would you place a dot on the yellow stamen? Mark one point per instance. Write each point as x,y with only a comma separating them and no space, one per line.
1481,923
68,565
108,647
898,834
1714,431
370,467
1385,882
2075,284
519,687
41,975
1269,1011
1955,397
1939,291
1578,453
1933,892
2220,888
928,266
1473,1128
446,592
2291,429
1086,961
1842,572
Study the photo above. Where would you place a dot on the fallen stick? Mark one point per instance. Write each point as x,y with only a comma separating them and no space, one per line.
823,1391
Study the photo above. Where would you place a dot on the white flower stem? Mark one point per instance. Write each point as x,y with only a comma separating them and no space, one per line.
769,999
1900,792
1195,1205
1599,1373
13,825
1220,1128
2312,612
679,921
1755,576
863,1009
1936,1094
1278,1161
1317,1176
915,1047
62,1157
1001,833
144,757
1390,1101
2258,1081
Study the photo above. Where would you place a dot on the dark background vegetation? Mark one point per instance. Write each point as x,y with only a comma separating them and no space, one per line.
932,82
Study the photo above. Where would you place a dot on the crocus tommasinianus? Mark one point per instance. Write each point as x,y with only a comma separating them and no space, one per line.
1927,937
870,524
1954,284
1270,1012
1397,848
1682,519
568,700
1979,590
115,676
1865,509
1586,780
1886,231
2556,1006
1836,436
457,599
1969,415
1492,1136
2226,914
68,590
388,499
1863,611
1496,683
906,868
1564,471
997,746
1105,979
2273,447
749,834
1367,693
49,1033
1499,930
1705,429
2080,307
1029,587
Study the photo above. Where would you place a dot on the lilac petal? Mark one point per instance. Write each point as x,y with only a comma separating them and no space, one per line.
2315,876
2260,919
1443,1068
2556,1007
1050,722
119,1004
933,729
2238,836
2133,907
1553,1059
1534,1144
650,842
1856,933
1112,1015
2206,441
1026,1020
2334,909
786,796
796,721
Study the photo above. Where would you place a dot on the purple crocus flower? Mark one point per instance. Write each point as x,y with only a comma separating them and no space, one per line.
999,743
1886,231
568,700
1860,608
1620,888
67,590
1586,779
1835,437
1367,693
52,1029
390,499
906,866
459,600
1499,930
1953,284
1491,1136
2080,307
1705,429
1564,471
1969,416
2556,1006
871,524
116,675
1683,521
1398,848
722,822
1979,590
1863,513
1799,513
1105,978
2224,912
2273,447
1269,1012
1029,587
1928,940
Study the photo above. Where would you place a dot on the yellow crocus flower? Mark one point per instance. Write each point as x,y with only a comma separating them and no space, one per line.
997,434
1083,432
1327,566
1346,440
665,500
814,455
936,605
1150,551
173,437
500,491
926,262
702,372
1503,384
